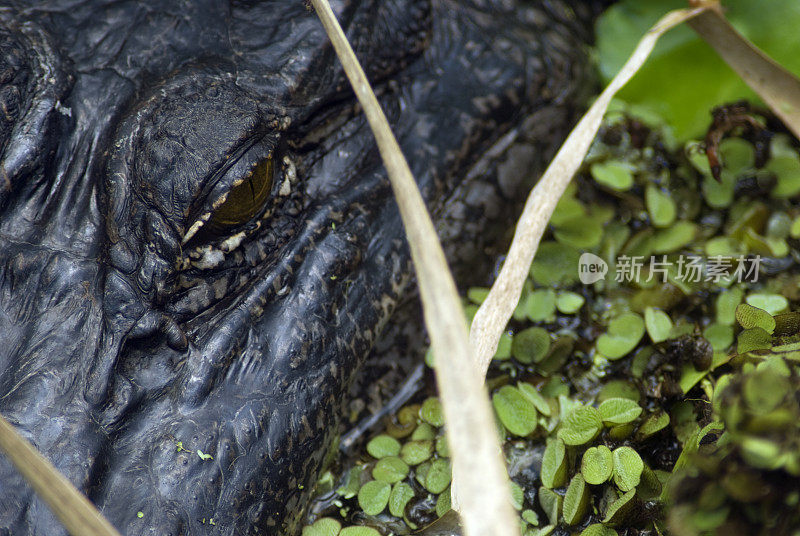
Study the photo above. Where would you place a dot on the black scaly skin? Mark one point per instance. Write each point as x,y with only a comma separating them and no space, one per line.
122,122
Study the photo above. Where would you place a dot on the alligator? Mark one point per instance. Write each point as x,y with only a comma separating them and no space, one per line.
198,242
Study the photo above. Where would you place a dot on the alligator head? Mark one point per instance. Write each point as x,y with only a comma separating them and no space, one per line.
198,243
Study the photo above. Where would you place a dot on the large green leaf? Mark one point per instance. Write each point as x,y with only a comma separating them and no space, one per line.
684,78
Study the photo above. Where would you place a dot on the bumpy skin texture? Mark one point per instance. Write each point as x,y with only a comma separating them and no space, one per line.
122,123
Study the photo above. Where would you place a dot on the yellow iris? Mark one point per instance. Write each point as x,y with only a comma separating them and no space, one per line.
247,199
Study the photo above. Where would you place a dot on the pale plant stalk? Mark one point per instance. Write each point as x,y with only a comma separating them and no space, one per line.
779,88
483,499
76,513
495,311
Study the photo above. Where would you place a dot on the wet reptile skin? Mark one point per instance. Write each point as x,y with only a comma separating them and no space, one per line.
124,352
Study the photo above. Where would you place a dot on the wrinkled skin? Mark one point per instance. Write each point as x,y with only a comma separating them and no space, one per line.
125,351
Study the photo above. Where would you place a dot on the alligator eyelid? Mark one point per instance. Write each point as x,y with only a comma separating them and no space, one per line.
242,202
199,222
230,161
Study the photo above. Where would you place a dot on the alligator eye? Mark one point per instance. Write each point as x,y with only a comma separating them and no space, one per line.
245,200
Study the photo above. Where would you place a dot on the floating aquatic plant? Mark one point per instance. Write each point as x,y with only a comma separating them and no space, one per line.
654,398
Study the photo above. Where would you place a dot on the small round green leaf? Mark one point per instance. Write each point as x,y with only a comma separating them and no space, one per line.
628,467
761,453
777,246
442,503
674,237
554,464
390,469
661,207
580,232
438,477
515,410
771,303
619,411
658,324
652,425
550,501
787,171
615,175
540,306
596,465
530,517
382,446
764,389
624,333
401,494
723,246
325,526
719,194
737,154
619,389
753,339
569,302
373,497
719,335
581,425
566,209
753,317
555,264
431,412
423,431
416,452
576,501
530,345
726,306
